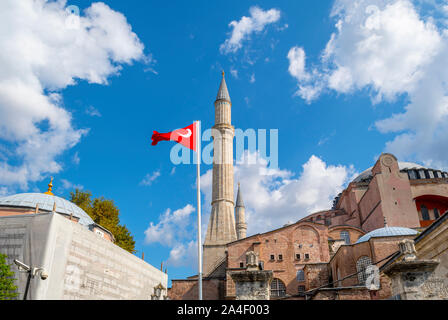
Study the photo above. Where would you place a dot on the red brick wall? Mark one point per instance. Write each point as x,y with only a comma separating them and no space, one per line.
188,289
300,238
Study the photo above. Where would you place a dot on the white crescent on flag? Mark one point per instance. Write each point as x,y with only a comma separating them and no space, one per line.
187,135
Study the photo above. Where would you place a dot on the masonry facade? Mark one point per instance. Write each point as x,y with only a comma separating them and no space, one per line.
326,254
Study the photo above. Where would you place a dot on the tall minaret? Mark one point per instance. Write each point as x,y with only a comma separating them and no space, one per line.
240,215
221,227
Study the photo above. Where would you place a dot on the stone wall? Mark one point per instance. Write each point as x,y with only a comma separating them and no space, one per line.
252,285
421,271
316,275
80,264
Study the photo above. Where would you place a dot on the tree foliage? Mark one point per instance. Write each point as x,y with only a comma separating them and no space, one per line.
8,291
105,213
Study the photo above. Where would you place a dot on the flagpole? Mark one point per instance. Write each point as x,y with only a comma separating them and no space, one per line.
198,158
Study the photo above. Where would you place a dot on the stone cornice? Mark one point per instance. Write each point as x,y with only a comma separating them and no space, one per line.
224,126
411,266
251,276
223,200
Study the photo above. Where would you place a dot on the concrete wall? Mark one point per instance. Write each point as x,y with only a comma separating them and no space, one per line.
80,264
24,238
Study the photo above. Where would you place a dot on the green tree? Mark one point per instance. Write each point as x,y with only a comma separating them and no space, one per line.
105,213
8,291
82,200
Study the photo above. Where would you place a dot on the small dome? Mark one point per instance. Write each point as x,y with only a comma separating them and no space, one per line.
46,202
402,165
387,232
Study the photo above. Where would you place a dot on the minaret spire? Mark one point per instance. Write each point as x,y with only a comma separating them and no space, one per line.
221,227
223,93
240,215
239,197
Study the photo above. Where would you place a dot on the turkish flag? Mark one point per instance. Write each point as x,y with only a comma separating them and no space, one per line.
186,136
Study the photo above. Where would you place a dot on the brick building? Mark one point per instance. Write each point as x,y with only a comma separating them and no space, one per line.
324,255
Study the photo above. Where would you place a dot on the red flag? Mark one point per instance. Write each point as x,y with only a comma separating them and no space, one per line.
186,136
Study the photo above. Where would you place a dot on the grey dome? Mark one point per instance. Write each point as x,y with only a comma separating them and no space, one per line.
387,232
46,202
402,165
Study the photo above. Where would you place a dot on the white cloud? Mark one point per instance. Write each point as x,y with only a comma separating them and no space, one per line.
150,178
309,85
76,160
184,254
391,49
71,186
242,29
252,78
296,57
41,55
273,197
172,227
93,112
4,191
234,72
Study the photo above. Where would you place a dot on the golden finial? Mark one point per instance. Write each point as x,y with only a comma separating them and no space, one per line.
223,73
50,186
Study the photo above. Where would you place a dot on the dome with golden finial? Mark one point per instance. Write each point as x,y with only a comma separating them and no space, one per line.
47,202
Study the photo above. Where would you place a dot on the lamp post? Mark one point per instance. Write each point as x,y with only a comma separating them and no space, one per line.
32,272
158,292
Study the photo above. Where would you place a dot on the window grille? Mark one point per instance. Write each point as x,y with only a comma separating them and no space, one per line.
425,213
361,266
436,213
345,236
300,275
278,288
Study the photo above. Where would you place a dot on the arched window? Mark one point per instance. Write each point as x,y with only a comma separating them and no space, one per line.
421,174
345,236
361,266
300,275
278,288
436,213
425,213
412,174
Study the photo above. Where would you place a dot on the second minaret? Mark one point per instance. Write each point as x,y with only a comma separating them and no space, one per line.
221,226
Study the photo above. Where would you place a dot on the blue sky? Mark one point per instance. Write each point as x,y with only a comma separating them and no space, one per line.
372,72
